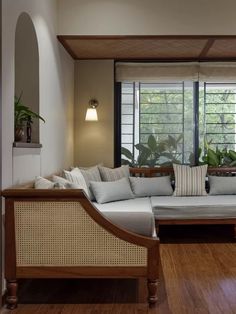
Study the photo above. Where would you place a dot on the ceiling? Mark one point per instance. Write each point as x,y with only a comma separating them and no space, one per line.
163,48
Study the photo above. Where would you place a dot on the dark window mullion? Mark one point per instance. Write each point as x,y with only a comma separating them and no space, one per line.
183,123
196,121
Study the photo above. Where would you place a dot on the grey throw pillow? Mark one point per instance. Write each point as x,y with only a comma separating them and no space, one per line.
142,187
105,192
222,185
109,174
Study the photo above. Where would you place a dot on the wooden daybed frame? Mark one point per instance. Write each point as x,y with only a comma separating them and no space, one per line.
34,249
162,171
26,228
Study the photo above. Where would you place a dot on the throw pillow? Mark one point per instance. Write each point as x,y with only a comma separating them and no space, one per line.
157,186
42,183
222,185
109,174
60,180
65,183
112,191
90,174
82,178
75,177
189,181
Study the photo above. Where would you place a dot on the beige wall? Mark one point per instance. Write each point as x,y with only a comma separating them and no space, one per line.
94,140
150,17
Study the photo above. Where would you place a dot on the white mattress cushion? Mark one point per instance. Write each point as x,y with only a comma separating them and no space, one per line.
134,215
142,204
194,207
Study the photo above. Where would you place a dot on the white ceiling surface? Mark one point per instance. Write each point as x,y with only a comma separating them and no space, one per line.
150,17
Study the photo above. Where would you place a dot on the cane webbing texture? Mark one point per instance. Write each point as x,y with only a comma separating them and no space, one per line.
63,234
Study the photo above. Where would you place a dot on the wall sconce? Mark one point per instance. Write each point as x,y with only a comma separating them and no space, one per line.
91,114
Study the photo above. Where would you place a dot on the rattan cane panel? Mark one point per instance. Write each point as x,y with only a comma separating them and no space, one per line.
63,234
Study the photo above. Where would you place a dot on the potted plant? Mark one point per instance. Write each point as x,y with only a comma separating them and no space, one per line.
23,115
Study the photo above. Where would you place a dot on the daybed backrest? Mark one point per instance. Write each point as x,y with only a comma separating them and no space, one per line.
163,171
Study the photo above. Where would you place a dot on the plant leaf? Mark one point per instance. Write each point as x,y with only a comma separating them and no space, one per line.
232,154
172,142
213,159
127,153
143,157
141,147
126,162
233,163
152,143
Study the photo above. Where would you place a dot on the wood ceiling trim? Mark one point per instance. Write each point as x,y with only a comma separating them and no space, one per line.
207,47
71,37
67,47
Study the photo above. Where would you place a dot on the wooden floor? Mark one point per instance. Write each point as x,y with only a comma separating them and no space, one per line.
198,276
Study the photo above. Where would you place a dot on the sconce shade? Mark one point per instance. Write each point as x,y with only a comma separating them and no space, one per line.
91,114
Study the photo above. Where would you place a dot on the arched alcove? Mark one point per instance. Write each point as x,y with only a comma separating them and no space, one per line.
27,69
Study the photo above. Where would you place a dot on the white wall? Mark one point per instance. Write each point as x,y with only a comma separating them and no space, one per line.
94,140
56,93
150,17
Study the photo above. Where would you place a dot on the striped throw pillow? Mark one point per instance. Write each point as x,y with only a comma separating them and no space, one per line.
75,176
189,181
109,174
91,174
82,178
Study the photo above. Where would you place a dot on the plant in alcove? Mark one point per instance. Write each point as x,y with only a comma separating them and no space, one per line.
153,153
23,115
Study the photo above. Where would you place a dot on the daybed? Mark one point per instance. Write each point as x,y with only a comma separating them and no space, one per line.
190,210
61,234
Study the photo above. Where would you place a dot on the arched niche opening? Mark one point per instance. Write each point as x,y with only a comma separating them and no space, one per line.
27,70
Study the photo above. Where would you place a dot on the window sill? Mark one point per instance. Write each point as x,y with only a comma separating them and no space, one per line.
26,145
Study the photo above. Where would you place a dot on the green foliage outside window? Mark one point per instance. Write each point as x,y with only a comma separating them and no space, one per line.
216,126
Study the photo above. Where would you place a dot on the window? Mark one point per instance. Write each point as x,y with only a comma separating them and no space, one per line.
217,103
181,116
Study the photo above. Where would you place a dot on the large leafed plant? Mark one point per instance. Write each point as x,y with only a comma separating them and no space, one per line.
153,153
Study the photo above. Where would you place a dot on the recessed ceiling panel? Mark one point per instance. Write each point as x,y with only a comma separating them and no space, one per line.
135,48
194,48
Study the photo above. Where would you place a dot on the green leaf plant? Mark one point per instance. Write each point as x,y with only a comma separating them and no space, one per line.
23,113
153,153
217,157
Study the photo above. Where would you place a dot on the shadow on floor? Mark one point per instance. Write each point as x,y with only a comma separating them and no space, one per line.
196,234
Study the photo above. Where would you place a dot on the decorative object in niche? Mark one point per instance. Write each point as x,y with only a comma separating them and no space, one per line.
23,117
91,114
